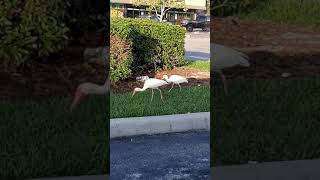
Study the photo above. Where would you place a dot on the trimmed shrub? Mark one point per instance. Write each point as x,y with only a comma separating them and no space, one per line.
120,58
155,45
31,29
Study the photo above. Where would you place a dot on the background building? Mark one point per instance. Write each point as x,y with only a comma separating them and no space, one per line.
125,8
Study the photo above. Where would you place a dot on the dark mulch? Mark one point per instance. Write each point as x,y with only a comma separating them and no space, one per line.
59,76
195,78
264,65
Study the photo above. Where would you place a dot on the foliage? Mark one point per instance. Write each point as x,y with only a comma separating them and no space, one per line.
31,29
289,11
162,6
88,15
120,58
228,7
155,45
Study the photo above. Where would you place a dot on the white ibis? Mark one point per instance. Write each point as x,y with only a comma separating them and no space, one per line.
175,79
152,84
88,88
224,57
142,78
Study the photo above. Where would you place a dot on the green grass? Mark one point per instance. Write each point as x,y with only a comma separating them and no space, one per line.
200,65
195,99
288,11
266,120
41,140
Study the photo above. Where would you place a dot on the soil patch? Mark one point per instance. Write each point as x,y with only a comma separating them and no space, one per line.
274,49
57,77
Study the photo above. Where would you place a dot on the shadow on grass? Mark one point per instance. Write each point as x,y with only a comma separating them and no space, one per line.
267,119
42,140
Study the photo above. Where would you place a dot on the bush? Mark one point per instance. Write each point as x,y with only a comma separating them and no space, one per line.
155,45
235,6
31,29
120,58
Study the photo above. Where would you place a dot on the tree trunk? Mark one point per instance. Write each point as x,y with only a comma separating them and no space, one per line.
162,13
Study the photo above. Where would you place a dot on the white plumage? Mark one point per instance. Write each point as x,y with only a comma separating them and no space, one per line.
175,79
87,88
91,88
224,57
142,78
152,84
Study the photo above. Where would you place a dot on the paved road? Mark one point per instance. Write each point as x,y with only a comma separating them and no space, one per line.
197,46
161,157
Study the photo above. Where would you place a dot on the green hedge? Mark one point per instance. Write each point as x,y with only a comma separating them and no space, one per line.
31,29
155,45
120,58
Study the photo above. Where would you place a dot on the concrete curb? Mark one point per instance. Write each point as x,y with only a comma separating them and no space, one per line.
293,170
133,126
92,177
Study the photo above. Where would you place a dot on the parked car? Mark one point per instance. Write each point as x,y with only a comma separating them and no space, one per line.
155,18
201,21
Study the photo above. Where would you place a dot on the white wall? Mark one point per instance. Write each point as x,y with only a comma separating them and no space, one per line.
196,3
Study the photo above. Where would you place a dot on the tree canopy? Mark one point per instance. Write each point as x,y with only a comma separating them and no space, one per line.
162,6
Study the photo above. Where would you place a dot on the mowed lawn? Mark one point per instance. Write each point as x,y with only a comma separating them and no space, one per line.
287,11
195,99
199,65
42,140
265,120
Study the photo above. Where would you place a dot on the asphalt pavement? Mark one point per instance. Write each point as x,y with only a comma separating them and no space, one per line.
161,157
197,46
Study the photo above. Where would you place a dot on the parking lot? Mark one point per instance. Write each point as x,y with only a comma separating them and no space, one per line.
197,45
165,156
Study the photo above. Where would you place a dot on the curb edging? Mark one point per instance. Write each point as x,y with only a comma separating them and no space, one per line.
122,127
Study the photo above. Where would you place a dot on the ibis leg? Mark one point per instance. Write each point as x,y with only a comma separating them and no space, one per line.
161,95
171,87
224,80
77,98
151,94
179,87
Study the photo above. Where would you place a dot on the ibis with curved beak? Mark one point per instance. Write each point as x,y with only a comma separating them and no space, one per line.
151,83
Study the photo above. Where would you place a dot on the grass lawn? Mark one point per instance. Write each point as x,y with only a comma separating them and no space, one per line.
195,99
41,140
288,11
265,120
200,65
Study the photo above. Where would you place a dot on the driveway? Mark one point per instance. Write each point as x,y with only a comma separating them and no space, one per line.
197,45
165,156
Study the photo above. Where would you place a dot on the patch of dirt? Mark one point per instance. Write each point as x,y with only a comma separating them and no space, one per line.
195,78
60,77
42,81
249,33
273,48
